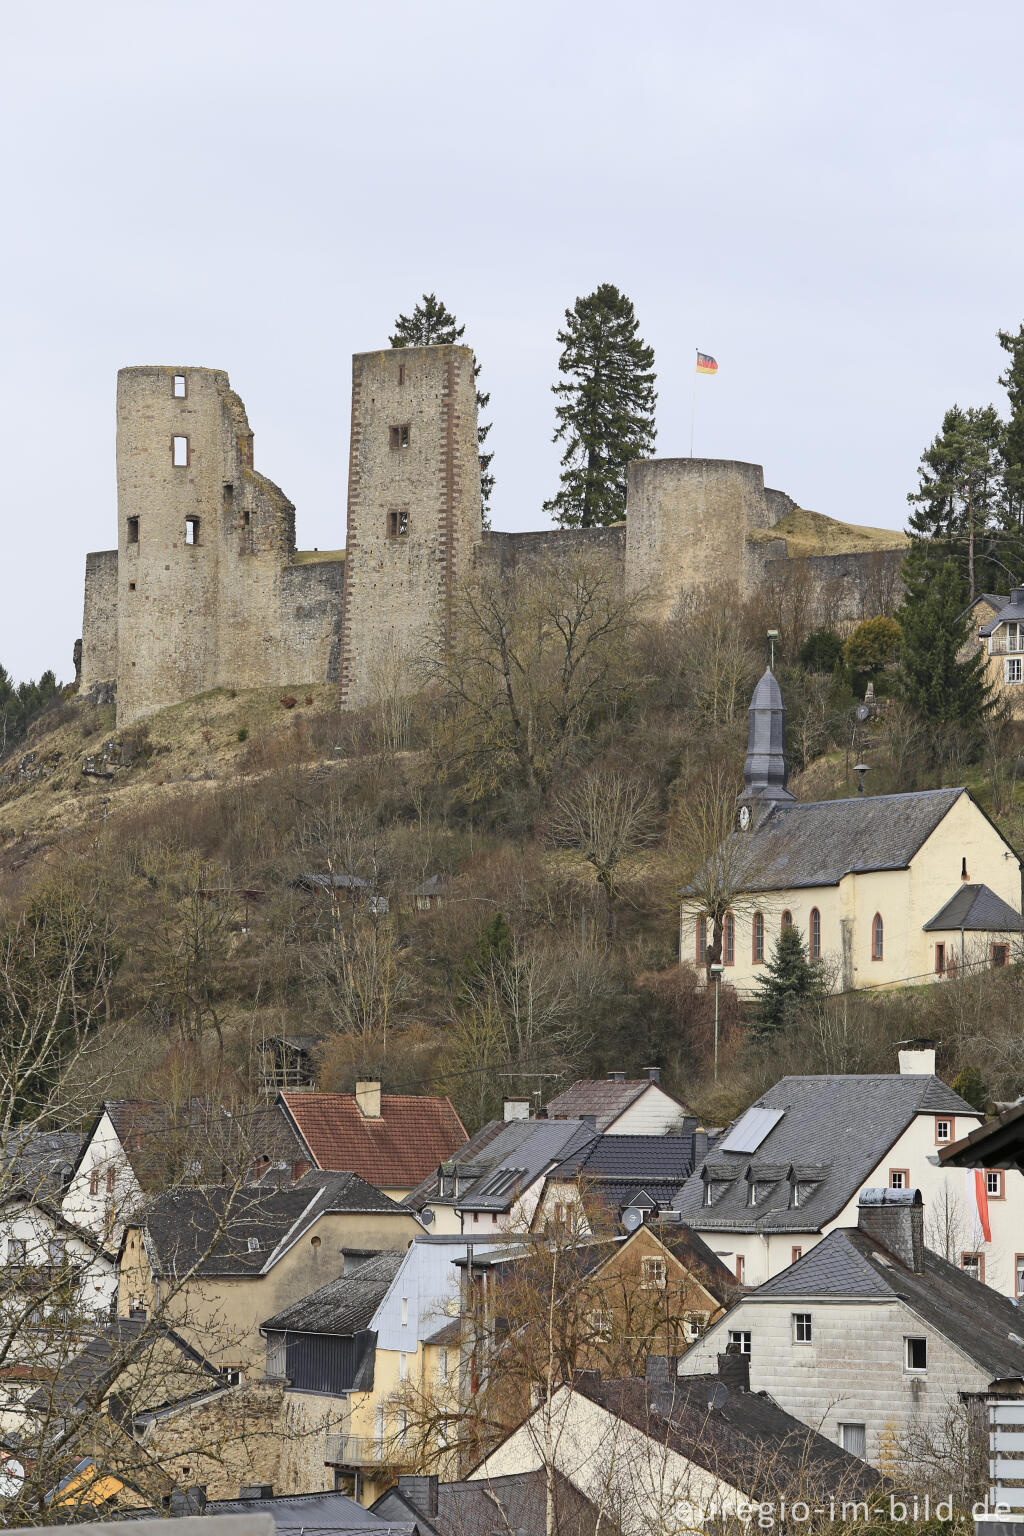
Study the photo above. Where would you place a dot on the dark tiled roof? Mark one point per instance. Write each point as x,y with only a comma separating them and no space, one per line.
818,843
997,1144
986,1326
315,1514
976,908
747,1440
111,1342
693,1253
472,1152
605,1100
1007,609
344,1306
632,1158
500,1506
39,1163
182,1223
502,1160
161,1141
395,1150
843,1126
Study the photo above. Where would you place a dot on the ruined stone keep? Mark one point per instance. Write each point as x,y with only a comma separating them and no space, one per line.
206,588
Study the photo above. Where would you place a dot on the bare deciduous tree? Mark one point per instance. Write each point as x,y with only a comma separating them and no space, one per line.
606,816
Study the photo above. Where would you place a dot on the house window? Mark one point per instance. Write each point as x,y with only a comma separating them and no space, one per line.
17,1250
853,1438
877,937
401,373
405,1311
741,1269
973,1264
403,1367
442,1365
916,1358
94,1182
797,1253
232,1374
179,452
1000,954
758,931
787,919
399,436
729,940
132,533
708,1192
110,1181
179,388
1018,1269
943,1130
653,1274
741,1338
815,931
801,1328
1013,665
899,1178
994,1183
702,940
191,530
940,959
398,523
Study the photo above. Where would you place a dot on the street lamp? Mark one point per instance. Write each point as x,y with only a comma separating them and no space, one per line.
716,969
773,635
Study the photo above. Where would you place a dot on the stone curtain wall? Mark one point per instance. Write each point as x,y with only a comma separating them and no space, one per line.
99,621
414,517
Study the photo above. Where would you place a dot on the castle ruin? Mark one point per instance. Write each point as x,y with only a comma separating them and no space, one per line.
206,588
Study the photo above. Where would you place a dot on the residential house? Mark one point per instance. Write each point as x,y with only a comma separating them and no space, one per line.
792,1167
614,1173
137,1148
673,1453
368,1339
622,1106
215,1261
998,624
876,1340
392,1140
871,882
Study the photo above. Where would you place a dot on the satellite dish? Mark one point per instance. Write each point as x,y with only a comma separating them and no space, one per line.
862,711
12,1476
632,1218
718,1394
426,1217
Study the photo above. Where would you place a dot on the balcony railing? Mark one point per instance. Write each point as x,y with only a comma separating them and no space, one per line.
1001,645
351,1451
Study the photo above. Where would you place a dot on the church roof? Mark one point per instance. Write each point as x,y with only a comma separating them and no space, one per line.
817,844
977,909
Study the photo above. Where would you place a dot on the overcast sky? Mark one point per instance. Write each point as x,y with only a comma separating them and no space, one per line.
825,197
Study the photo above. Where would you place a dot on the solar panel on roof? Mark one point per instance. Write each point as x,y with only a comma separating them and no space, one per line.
750,1130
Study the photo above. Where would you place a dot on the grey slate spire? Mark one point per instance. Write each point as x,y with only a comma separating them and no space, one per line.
764,772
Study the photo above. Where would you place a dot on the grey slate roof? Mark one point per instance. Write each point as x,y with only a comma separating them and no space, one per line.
976,908
986,1326
343,1306
820,842
40,1163
313,1513
81,1372
182,1223
605,1100
1007,609
837,1127
503,1159
498,1506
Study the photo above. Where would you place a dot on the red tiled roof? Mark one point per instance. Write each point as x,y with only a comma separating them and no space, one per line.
395,1151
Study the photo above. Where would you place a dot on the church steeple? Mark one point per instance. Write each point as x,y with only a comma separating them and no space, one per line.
765,772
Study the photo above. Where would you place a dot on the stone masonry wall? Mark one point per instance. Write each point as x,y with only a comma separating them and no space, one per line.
506,551
414,518
99,621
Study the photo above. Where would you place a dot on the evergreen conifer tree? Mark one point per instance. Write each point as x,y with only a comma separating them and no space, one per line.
1012,380
936,628
789,980
606,414
958,500
431,324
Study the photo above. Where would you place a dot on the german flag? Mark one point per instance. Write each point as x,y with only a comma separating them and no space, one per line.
706,364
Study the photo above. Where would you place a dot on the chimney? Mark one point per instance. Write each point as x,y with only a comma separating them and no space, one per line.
368,1099
894,1218
299,1168
420,1492
188,1501
590,1121
917,1058
652,1074
661,1370
1017,597
616,1077
734,1370
517,1109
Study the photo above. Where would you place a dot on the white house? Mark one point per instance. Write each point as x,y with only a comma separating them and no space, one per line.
792,1167
622,1106
873,1339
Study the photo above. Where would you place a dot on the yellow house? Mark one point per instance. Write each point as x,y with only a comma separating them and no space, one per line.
214,1262
999,630
885,890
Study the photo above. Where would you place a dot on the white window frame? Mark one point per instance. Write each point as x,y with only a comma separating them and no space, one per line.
653,1273
914,1338
742,1337
1013,670
803,1328
997,1175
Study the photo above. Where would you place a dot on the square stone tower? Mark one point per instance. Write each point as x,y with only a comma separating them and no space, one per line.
414,514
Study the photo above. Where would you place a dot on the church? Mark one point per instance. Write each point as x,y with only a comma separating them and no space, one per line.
886,890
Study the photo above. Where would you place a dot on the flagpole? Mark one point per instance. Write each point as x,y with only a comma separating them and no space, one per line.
693,407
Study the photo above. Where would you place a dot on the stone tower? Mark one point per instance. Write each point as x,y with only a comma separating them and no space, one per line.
414,516
688,522
203,541
765,774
